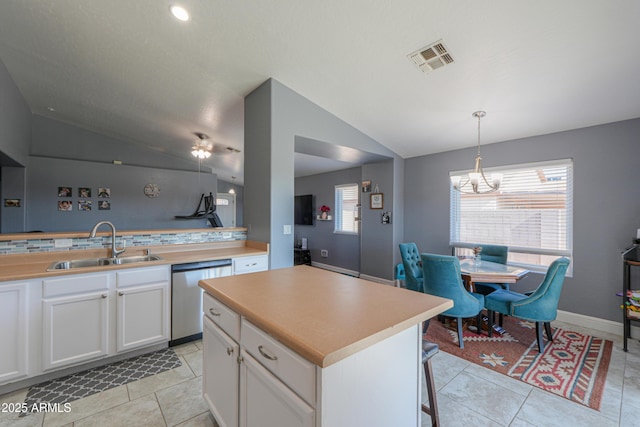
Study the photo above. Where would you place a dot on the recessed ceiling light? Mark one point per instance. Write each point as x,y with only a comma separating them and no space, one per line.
179,12
51,109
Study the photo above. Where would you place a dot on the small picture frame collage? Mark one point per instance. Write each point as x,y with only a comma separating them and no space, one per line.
84,201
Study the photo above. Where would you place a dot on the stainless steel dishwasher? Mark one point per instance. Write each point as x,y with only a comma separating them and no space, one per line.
186,297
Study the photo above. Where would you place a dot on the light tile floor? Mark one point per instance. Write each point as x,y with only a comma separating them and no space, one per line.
468,395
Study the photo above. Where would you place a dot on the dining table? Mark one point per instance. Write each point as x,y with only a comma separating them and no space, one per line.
478,271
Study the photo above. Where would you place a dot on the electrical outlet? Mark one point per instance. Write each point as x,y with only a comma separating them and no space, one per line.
324,253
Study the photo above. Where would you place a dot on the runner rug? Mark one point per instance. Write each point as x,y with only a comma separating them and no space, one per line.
72,387
573,366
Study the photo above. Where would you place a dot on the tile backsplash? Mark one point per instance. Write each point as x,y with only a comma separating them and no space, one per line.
34,245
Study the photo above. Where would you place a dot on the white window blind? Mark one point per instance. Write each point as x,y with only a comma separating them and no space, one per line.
346,208
531,213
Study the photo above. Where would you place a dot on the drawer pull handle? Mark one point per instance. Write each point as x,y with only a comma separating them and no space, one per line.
268,356
229,351
121,293
104,295
213,312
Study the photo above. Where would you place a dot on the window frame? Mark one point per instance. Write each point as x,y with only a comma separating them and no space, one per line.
461,247
338,212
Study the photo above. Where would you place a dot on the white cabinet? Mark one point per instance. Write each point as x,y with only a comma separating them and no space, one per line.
266,401
75,319
259,388
142,307
220,380
14,318
90,316
250,264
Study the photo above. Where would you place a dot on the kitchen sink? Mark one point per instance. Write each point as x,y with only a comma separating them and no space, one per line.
100,262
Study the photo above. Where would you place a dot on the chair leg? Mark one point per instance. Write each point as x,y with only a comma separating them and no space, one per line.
460,341
432,410
490,315
547,329
539,327
479,323
500,319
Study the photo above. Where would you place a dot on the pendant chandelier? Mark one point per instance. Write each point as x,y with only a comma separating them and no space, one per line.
202,148
471,183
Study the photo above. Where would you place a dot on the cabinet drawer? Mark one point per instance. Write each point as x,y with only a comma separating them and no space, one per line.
140,276
250,264
296,372
227,319
82,283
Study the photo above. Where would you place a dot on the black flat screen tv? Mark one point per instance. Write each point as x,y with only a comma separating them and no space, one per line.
304,210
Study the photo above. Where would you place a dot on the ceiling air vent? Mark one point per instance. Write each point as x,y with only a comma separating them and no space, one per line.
431,57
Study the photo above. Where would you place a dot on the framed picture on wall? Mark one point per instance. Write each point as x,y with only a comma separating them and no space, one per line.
366,186
376,201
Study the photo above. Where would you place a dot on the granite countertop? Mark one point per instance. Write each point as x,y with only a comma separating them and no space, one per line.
322,315
33,266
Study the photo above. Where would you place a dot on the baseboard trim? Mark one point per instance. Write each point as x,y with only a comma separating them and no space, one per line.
353,273
335,269
596,323
378,280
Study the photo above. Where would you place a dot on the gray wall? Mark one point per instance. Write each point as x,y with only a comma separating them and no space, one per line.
274,116
15,122
378,248
344,249
15,134
606,204
180,192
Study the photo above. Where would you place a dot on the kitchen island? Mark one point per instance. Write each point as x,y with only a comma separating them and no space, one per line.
303,346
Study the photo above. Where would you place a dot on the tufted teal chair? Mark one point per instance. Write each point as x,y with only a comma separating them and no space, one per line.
400,276
497,254
442,278
541,306
412,266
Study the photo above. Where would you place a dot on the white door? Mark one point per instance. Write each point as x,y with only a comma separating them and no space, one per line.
226,209
75,329
266,401
220,378
143,316
13,333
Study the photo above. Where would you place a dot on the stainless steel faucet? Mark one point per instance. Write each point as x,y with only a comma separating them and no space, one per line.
114,251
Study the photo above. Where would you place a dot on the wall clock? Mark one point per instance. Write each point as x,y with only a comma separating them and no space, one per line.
151,190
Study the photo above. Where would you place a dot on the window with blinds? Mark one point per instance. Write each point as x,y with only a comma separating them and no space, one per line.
531,213
346,209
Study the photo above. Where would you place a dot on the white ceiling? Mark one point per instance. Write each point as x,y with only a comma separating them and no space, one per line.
130,70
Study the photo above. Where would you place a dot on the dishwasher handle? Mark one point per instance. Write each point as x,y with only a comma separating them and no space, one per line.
200,265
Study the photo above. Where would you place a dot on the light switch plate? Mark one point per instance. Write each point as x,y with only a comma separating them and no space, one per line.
286,229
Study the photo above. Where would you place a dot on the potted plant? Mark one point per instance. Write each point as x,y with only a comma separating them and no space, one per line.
325,211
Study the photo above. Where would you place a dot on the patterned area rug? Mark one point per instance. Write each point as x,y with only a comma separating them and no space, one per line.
573,366
73,387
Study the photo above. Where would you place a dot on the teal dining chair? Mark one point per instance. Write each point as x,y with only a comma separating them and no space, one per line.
442,277
497,254
412,266
540,306
400,276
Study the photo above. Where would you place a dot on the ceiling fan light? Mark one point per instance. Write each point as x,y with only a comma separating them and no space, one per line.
180,13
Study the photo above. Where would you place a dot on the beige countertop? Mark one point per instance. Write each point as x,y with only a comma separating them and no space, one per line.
322,315
32,266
